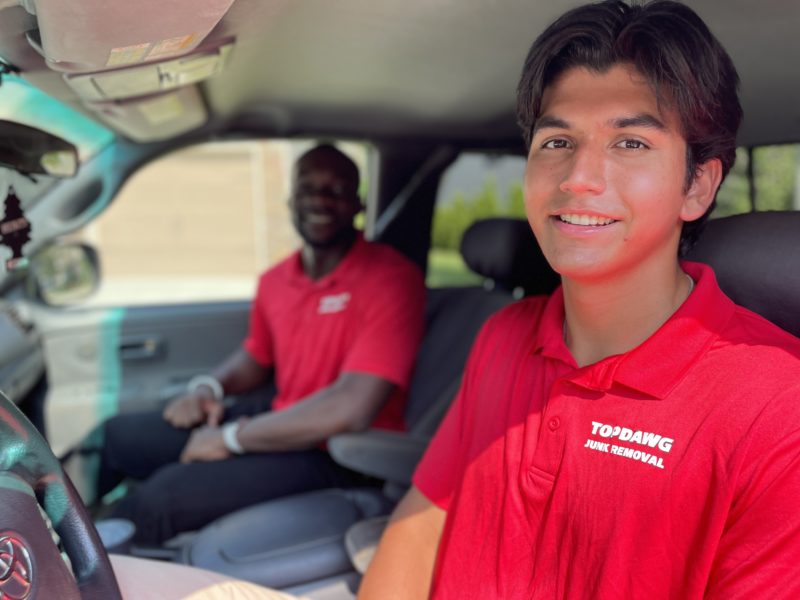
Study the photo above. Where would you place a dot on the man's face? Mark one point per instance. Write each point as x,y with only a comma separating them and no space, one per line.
604,182
323,201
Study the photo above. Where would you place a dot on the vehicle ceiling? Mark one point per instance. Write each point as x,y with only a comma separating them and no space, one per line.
438,69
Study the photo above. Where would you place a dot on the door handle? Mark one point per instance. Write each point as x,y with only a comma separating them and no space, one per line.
141,348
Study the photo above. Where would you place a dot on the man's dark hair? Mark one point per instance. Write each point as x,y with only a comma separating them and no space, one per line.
665,41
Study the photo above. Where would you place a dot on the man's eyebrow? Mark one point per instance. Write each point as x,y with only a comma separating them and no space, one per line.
640,120
549,122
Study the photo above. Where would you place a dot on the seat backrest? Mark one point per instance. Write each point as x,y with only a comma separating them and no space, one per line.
503,251
454,317
756,258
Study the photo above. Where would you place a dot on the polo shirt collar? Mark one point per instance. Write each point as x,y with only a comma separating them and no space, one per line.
298,277
657,365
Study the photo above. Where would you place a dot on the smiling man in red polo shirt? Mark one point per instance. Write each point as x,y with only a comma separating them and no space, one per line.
338,323
636,434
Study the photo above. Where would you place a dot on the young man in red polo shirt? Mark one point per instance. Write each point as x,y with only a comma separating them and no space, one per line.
635,435
338,324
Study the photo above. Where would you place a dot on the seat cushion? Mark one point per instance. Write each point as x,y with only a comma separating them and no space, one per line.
285,542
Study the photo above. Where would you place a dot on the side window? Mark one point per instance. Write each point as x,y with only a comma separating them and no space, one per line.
476,186
777,181
199,224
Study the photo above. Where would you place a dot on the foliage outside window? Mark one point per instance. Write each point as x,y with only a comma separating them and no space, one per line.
475,187
777,173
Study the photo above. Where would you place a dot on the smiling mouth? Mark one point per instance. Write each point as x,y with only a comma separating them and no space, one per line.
316,219
586,220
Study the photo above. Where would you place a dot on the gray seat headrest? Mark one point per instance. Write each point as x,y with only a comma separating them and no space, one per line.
756,258
505,251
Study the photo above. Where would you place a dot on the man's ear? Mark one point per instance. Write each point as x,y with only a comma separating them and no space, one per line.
702,190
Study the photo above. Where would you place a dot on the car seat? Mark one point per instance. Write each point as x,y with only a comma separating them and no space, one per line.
300,539
756,257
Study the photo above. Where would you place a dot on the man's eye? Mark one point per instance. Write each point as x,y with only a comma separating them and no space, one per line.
337,191
556,144
632,145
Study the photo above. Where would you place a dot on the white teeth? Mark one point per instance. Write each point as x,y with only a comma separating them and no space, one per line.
318,219
590,220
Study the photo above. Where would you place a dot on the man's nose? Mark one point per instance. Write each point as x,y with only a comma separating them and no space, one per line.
317,198
586,171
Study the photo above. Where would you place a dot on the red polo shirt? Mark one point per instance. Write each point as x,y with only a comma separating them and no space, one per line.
366,316
671,471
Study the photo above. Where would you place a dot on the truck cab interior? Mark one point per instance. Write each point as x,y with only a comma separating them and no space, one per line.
420,86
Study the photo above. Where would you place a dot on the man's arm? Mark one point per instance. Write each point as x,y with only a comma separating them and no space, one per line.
240,373
349,404
403,565
237,374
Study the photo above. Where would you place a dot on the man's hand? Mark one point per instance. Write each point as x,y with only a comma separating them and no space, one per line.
194,408
205,444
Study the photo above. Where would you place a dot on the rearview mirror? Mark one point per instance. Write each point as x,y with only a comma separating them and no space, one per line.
35,152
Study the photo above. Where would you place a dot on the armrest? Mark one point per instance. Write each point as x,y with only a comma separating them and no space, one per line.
387,455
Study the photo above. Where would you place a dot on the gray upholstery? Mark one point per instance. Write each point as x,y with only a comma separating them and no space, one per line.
453,318
756,258
300,539
288,541
388,455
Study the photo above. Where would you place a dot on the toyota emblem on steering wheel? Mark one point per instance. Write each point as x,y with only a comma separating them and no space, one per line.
16,570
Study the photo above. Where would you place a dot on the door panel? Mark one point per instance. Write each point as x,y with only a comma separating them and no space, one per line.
106,360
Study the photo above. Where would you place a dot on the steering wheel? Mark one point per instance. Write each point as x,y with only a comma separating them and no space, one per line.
32,480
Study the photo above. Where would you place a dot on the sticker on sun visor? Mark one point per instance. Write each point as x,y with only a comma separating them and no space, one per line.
161,110
127,55
171,46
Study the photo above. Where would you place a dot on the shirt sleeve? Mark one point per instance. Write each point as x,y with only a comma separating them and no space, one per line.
258,342
758,553
390,326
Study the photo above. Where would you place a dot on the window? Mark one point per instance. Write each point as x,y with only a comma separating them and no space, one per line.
474,187
200,224
777,179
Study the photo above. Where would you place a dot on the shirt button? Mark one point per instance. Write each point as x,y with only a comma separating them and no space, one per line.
554,423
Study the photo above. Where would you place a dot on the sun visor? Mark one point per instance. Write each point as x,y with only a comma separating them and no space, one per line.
153,118
152,78
82,36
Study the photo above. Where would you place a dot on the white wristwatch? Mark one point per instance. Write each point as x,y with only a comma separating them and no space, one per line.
230,438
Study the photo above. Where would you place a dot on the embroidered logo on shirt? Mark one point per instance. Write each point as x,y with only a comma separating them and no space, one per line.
631,437
333,304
